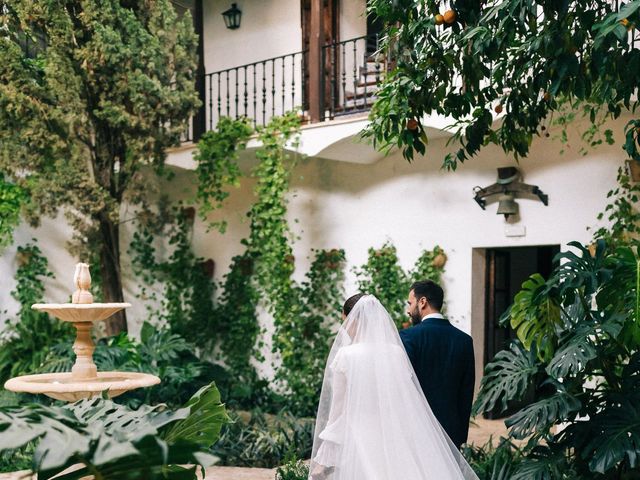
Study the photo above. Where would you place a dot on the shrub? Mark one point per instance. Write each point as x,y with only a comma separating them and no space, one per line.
112,442
293,470
261,440
579,343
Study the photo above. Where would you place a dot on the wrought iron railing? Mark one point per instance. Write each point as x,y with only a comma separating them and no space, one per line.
258,90
352,71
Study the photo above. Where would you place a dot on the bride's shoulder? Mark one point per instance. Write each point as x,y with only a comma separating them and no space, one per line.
357,349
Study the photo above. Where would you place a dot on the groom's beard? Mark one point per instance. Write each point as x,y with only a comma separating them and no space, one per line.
416,319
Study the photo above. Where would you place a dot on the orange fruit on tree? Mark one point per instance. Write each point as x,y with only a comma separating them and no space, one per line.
439,19
546,96
449,17
412,124
498,108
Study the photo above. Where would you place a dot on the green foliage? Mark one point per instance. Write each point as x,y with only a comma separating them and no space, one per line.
31,343
493,463
293,470
304,341
111,441
186,302
161,353
261,275
217,159
16,460
108,88
508,376
622,211
383,277
239,330
11,199
529,58
264,441
535,317
590,369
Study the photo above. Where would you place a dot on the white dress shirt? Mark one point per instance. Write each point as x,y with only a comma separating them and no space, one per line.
433,315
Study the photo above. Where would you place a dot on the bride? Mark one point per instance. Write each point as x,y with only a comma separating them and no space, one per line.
374,422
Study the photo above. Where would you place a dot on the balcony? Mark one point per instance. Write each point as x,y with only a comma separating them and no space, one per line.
345,78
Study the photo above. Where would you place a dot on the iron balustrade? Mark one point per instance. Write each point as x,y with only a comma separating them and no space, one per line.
258,90
351,72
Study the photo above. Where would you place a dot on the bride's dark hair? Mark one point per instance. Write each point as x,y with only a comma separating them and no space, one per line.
351,302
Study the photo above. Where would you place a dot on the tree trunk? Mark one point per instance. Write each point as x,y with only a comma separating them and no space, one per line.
111,274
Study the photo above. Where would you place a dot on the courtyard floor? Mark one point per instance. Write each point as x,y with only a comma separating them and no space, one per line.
479,434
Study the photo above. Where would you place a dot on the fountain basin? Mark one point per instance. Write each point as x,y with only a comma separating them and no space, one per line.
80,312
67,387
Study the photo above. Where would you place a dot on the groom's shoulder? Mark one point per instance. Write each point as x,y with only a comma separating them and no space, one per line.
413,331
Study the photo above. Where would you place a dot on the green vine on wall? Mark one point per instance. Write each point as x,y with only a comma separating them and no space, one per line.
217,164
622,211
33,342
186,303
383,277
11,199
304,338
239,331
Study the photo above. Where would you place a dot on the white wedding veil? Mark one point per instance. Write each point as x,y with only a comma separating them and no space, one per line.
374,422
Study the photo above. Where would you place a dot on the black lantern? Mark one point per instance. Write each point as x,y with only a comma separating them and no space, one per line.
232,17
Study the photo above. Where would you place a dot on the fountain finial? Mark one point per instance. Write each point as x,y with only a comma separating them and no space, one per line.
82,281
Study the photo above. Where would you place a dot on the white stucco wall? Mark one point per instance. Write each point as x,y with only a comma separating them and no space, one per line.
418,205
353,20
357,206
269,28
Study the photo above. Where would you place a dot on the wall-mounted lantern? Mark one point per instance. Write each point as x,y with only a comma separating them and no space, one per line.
232,17
507,187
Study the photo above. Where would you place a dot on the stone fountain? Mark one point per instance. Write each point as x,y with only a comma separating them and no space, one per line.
84,380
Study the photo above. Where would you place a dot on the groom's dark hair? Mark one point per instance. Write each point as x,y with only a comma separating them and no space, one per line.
351,302
429,290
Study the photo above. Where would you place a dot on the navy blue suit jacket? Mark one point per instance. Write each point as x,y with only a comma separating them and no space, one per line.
442,357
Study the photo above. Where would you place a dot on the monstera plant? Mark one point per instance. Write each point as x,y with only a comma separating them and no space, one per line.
100,438
578,346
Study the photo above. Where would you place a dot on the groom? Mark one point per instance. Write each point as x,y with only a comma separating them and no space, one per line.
442,357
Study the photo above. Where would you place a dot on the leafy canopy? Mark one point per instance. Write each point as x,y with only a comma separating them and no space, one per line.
524,58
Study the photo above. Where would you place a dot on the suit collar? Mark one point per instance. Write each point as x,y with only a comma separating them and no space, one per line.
434,316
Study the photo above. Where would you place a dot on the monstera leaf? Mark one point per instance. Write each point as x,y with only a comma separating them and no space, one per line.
206,418
541,415
575,352
623,293
544,463
111,442
506,378
581,271
617,435
535,316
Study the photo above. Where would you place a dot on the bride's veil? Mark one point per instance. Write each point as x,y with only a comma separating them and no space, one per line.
373,420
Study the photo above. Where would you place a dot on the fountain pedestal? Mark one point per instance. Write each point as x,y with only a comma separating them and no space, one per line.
84,380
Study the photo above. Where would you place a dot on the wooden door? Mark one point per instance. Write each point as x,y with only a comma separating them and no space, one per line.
498,300
331,27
